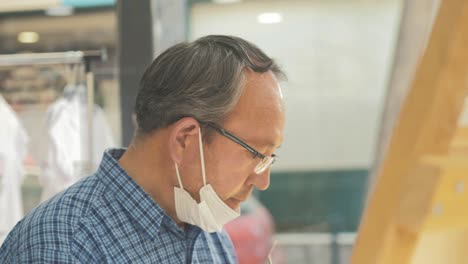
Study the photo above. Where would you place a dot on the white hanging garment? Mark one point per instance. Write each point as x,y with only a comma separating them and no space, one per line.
13,149
67,152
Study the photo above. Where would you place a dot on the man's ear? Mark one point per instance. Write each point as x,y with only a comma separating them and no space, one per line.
182,137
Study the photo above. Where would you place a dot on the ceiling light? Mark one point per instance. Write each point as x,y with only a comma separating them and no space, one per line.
59,11
28,37
269,18
226,1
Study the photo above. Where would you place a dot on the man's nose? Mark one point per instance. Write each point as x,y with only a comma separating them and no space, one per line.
261,181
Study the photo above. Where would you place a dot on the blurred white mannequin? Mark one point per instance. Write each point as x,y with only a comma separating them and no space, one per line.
13,149
67,132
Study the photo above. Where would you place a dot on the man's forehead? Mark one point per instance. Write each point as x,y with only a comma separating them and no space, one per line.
264,128
259,115
261,95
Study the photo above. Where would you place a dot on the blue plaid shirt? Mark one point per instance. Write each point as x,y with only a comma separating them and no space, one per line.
108,218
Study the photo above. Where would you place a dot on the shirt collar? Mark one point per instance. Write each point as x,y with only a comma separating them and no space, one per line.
145,211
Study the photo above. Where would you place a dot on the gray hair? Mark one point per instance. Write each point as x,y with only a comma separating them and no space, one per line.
203,79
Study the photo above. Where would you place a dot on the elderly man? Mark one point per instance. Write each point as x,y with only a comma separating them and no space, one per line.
210,116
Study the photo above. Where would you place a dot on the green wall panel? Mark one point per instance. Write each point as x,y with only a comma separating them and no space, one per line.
316,201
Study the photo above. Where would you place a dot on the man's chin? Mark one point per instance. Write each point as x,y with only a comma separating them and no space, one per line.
234,204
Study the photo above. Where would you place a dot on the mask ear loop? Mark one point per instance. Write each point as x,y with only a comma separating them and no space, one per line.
178,176
202,156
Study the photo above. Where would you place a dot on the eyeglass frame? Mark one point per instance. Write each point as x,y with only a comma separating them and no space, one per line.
239,141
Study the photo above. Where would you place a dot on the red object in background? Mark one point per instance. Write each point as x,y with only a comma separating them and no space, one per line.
252,234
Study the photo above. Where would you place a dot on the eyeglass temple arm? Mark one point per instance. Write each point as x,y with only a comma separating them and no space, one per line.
238,141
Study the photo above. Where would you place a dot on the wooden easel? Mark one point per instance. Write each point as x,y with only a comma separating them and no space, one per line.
418,208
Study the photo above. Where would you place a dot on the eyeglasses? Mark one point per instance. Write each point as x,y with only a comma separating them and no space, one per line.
265,161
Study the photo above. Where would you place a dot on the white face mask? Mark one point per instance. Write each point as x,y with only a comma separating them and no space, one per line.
211,213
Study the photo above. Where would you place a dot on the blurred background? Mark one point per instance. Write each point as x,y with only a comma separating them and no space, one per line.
339,57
